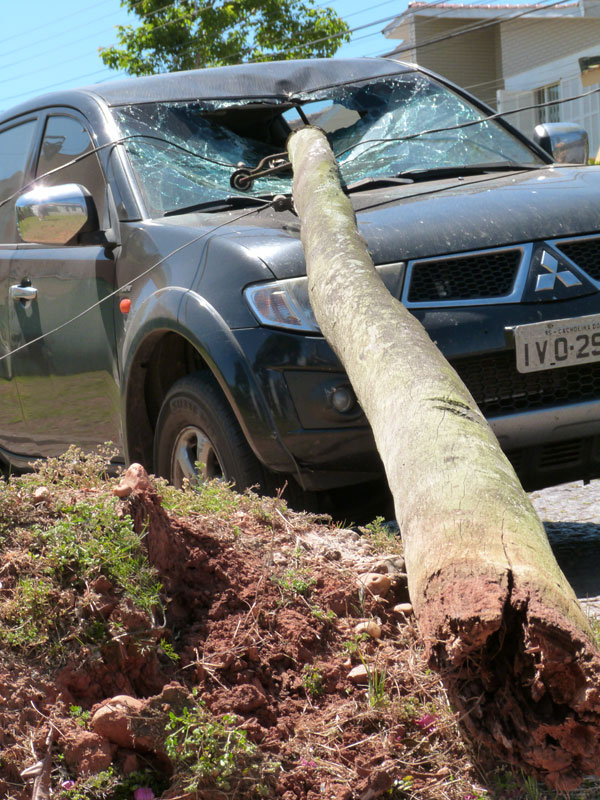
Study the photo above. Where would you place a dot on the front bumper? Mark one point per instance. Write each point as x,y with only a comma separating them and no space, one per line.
547,422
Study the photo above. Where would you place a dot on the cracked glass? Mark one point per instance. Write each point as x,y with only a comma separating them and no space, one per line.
184,153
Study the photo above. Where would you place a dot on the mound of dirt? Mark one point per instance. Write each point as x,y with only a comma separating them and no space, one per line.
284,663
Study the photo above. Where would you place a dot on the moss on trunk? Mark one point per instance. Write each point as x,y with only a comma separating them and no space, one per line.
499,619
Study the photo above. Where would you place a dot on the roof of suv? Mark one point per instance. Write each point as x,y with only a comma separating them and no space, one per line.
279,79
271,79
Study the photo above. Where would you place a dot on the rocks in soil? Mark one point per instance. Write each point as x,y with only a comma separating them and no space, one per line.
375,583
135,479
87,752
391,565
359,674
244,643
405,609
138,725
370,627
41,494
113,719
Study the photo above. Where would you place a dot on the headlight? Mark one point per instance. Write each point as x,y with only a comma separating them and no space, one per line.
285,304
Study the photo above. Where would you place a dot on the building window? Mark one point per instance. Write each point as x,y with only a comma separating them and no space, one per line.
547,94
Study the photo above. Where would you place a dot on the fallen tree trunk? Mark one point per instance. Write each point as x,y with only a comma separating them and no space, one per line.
498,617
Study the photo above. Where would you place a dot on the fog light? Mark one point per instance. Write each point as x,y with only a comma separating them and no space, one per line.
343,399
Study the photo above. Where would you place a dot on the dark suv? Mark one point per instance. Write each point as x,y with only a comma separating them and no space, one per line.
153,288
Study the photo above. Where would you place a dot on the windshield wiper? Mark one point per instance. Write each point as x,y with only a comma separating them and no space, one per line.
365,184
231,201
417,174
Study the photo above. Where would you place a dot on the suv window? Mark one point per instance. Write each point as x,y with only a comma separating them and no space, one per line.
66,138
186,152
15,146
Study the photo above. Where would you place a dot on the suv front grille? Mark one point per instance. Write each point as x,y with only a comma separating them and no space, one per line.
499,389
585,253
485,275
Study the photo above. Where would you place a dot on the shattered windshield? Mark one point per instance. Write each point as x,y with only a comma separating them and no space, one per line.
184,153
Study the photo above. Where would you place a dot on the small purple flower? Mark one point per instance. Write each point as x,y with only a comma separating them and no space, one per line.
308,764
66,785
144,793
427,722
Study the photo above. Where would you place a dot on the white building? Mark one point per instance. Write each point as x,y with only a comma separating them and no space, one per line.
512,56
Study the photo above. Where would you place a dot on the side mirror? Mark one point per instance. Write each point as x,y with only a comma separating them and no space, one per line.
55,214
566,142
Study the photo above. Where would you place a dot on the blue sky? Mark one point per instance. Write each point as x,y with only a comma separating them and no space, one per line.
46,45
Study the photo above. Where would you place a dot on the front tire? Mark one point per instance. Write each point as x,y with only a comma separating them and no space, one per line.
196,424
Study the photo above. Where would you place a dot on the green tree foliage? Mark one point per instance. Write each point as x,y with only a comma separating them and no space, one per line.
188,34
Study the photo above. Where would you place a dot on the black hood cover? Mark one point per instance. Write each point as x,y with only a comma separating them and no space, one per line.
270,80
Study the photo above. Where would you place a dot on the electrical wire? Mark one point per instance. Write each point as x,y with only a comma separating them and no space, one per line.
68,80
145,272
75,58
509,16
132,281
407,137
85,25
273,54
196,13
188,47
461,31
98,148
184,48
467,29
470,123
55,21
476,27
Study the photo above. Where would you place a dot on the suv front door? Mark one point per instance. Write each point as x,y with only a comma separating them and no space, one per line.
16,148
67,373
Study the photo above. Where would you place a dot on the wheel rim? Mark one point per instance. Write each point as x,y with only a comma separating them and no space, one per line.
193,446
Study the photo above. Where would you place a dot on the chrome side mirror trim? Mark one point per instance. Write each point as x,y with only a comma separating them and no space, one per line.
55,214
566,142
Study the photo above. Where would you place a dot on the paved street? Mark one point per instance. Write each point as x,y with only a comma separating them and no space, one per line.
571,513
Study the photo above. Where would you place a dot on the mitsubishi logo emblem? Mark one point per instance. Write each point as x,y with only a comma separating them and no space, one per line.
548,279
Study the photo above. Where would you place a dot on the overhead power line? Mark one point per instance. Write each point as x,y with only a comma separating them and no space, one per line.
162,260
168,22
85,25
467,29
459,32
27,31
186,48
475,27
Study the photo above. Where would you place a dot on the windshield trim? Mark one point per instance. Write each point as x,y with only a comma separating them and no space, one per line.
239,143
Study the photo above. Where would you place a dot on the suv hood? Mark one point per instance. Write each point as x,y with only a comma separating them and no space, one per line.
437,217
457,215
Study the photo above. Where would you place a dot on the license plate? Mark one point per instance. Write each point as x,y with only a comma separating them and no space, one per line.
557,343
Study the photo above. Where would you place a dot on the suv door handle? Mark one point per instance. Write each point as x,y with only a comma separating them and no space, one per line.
18,292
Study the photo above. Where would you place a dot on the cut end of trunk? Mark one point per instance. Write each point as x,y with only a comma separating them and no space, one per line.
522,676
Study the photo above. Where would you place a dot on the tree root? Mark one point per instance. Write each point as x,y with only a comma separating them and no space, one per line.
522,676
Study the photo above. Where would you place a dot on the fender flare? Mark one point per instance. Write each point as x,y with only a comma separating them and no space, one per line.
188,314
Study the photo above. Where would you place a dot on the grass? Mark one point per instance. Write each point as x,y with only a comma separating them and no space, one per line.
312,680
216,752
376,689
296,580
110,784
65,547
57,551
383,537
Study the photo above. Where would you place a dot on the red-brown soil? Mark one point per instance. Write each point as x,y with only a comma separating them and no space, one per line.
260,615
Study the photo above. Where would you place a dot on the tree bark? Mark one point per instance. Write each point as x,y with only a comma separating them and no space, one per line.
499,619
